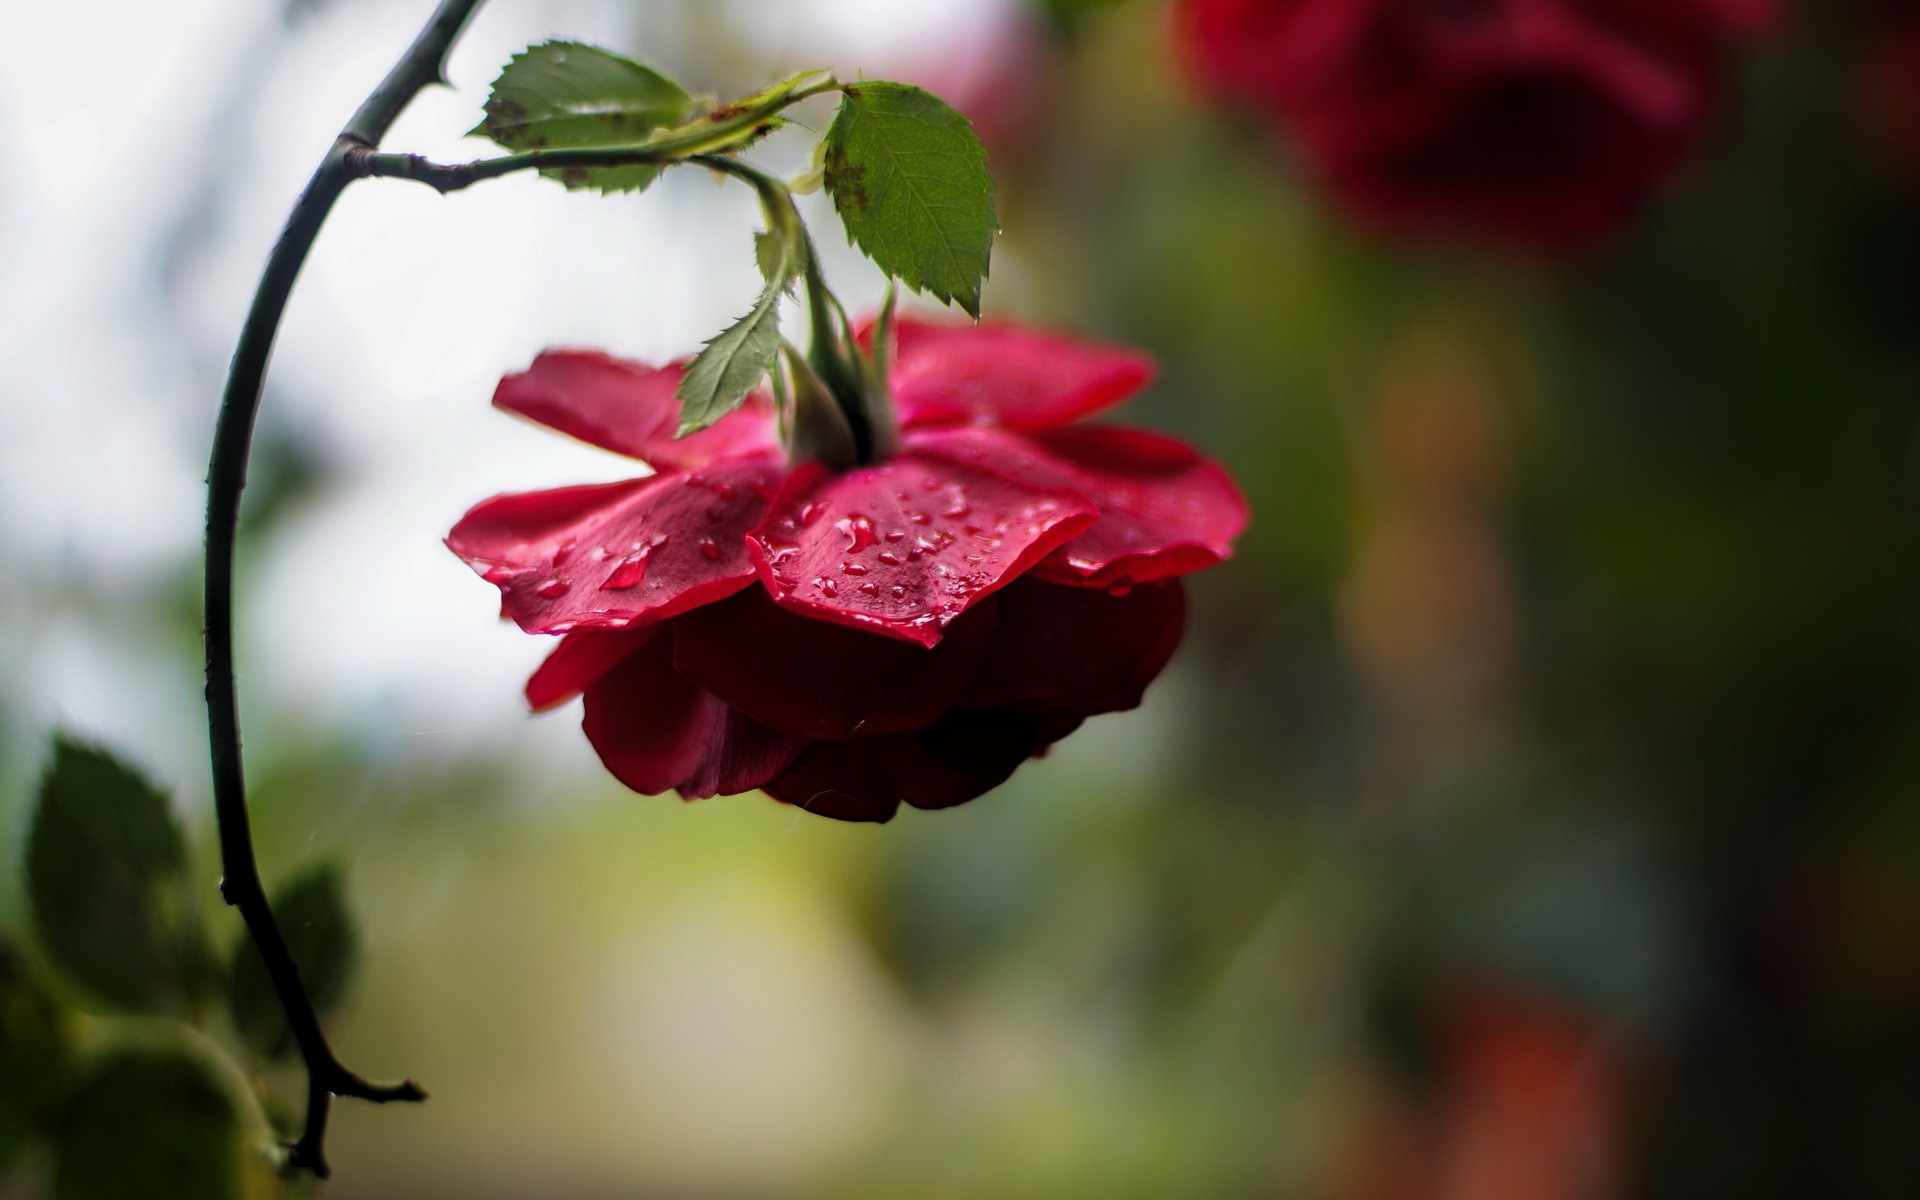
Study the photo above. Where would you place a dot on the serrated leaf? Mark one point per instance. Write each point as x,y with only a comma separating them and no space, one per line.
319,929
147,1123
103,860
909,178
733,363
562,95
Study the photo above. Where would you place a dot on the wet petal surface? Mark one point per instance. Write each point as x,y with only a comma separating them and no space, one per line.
615,555
904,547
950,374
820,679
1077,649
657,731
629,408
1164,510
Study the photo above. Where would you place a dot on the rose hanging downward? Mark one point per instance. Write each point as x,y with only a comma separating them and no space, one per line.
911,630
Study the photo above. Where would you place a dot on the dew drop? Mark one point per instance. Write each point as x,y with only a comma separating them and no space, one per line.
956,510
811,512
825,586
869,589
894,535
631,571
725,491
918,517
852,568
859,531
498,574
551,589
889,558
897,591
708,550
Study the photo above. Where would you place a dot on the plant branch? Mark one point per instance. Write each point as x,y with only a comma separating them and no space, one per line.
422,64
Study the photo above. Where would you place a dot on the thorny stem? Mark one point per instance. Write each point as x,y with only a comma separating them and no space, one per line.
422,64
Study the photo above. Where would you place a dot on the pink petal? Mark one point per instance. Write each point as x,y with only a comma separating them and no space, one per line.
1005,375
1076,649
963,755
904,547
1164,510
581,658
629,408
657,731
614,555
823,680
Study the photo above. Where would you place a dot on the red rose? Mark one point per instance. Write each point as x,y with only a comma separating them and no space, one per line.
1889,88
911,630
1542,123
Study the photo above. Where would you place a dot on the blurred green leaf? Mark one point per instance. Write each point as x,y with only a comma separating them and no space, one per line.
102,856
561,95
34,1059
734,362
909,178
321,936
147,1123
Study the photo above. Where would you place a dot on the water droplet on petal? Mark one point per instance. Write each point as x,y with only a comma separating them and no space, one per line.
890,559
898,591
551,589
859,531
498,574
850,568
894,535
869,589
811,512
826,587
708,550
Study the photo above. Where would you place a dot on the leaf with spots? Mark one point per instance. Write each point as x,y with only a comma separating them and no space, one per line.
566,95
909,178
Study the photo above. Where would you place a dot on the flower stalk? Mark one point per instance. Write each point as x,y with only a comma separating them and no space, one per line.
423,63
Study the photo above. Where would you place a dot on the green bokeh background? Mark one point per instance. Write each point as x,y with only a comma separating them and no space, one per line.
1531,812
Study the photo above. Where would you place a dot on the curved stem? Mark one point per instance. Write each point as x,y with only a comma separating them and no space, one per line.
422,64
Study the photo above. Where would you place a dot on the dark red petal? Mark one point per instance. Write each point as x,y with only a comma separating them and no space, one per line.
657,731
951,374
619,554
904,547
581,658
1164,510
822,680
1076,649
963,755
629,408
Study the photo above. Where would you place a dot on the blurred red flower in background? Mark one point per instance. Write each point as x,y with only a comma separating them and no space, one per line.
910,630
1890,87
1542,124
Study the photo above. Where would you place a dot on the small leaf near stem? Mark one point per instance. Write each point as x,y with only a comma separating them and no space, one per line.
321,936
909,178
566,95
734,362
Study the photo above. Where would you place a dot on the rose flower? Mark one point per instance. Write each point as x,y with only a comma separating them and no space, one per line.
1536,123
908,630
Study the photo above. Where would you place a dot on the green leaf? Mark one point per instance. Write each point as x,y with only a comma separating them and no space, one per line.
147,1123
909,178
103,863
34,1057
319,928
562,95
731,128
734,362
